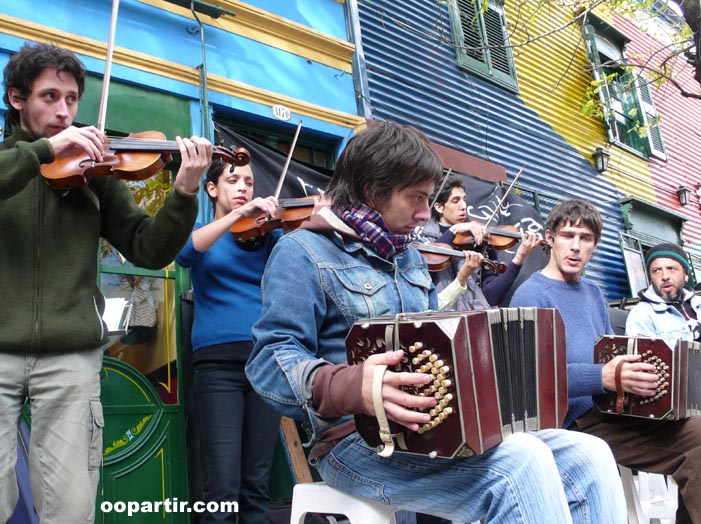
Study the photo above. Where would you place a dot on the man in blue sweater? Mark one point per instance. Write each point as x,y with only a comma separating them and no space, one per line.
573,231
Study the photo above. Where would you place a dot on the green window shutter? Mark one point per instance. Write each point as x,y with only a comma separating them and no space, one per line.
651,119
604,87
500,57
632,115
471,36
482,44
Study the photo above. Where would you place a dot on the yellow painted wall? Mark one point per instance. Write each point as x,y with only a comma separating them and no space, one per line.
554,73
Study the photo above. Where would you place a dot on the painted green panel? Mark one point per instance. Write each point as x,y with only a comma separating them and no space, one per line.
144,458
131,109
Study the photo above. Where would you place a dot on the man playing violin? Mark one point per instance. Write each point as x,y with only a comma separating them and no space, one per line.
52,334
354,260
448,216
573,230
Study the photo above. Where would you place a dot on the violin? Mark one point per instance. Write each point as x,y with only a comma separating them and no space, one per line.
500,238
136,157
438,256
291,213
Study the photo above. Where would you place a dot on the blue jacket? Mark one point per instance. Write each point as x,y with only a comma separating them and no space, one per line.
315,286
653,317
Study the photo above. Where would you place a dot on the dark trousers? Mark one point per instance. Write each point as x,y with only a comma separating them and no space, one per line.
238,432
656,446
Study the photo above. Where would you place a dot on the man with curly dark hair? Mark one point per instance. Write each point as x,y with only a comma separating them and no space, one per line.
52,334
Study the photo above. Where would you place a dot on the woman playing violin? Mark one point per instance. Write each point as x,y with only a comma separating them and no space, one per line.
448,217
237,428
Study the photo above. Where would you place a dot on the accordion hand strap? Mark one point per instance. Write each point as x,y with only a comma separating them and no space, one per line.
378,404
620,395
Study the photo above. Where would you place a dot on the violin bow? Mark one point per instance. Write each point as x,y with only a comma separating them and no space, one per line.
287,161
440,188
102,113
508,190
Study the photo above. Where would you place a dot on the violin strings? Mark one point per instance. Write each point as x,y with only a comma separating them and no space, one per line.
141,144
148,144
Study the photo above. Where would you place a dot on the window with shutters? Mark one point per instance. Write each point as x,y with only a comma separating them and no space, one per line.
624,94
482,41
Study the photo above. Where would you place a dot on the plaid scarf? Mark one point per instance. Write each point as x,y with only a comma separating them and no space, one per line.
371,228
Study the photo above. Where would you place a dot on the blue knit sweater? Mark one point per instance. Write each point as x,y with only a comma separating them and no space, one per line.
226,285
585,314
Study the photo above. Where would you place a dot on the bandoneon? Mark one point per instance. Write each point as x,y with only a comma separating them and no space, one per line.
678,366
495,372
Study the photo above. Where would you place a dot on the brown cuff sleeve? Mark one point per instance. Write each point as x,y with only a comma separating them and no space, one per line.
337,390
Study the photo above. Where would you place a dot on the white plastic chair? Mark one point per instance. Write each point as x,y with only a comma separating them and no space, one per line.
649,496
317,497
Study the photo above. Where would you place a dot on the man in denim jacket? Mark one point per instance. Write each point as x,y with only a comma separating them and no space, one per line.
668,308
353,261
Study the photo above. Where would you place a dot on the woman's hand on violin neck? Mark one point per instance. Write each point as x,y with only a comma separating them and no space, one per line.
257,206
529,241
196,153
474,229
473,260
76,140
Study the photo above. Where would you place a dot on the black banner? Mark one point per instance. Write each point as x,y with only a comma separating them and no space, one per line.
482,197
267,164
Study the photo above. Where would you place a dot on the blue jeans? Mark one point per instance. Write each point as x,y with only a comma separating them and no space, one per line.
545,477
238,434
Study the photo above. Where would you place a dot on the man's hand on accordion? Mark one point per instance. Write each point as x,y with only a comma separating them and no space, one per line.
399,405
637,378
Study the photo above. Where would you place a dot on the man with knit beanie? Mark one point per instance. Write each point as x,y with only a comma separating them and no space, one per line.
668,308
573,231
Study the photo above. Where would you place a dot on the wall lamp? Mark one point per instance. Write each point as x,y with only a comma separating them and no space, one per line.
684,194
601,159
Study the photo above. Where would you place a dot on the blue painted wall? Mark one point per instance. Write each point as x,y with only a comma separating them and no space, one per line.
327,16
165,35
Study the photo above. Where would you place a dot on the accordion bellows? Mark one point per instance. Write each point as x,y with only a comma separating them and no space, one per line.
678,366
496,372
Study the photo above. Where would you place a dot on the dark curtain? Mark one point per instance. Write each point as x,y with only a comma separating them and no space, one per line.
482,197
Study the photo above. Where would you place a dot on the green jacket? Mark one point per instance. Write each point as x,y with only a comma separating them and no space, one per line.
49,239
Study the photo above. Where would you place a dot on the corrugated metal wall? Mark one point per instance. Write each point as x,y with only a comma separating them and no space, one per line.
681,129
413,78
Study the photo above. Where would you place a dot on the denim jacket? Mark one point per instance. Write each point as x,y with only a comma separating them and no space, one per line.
653,317
315,286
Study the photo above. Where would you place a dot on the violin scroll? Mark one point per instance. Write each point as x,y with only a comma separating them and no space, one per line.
240,157
497,267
